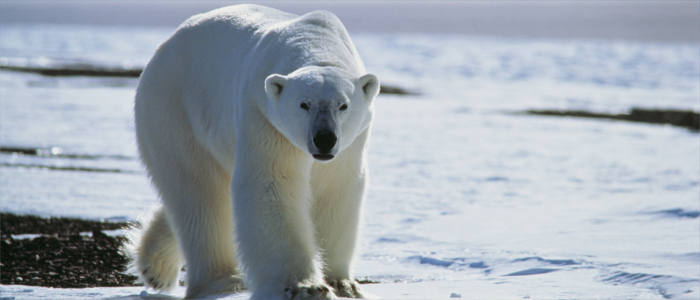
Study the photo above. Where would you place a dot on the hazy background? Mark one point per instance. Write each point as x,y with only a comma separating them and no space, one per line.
670,20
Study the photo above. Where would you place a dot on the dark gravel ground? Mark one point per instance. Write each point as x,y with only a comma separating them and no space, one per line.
69,253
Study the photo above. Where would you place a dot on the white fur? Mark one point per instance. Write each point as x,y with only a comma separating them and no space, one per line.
222,133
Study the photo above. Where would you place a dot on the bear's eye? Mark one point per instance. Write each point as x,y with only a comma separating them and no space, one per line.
304,106
343,107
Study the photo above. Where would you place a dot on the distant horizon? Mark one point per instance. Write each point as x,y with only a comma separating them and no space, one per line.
657,21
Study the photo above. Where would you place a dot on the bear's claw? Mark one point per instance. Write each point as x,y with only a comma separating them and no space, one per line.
163,280
309,292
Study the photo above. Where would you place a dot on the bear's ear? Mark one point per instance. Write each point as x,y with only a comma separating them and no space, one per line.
274,84
370,85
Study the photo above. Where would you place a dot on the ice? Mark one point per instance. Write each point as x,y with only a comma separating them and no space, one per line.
466,198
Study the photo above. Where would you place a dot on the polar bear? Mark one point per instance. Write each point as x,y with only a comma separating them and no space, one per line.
253,126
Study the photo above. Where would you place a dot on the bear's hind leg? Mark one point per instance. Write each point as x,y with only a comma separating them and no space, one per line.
158,258
196,198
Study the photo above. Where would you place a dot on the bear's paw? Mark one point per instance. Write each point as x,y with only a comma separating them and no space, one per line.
159,277
228,284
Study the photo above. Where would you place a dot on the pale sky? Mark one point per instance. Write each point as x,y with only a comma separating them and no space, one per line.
666,20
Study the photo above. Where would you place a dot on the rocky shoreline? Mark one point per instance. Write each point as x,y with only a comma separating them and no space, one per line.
66,252
681,118
62,252
83,69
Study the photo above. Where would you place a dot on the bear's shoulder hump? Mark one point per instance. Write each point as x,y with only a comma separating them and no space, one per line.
321,18
239,14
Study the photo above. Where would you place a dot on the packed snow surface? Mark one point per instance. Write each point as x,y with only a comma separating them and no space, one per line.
467,198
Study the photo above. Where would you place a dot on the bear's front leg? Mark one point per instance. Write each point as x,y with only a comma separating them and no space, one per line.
336,217
275,236
338,189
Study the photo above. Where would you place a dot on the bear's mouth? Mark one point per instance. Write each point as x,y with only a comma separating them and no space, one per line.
322,156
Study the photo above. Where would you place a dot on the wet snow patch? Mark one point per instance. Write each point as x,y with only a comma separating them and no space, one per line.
678,213
390,240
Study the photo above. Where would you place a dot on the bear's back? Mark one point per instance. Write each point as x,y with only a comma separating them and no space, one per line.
245,17
252,18
246,26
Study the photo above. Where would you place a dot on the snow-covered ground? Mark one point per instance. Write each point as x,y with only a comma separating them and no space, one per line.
467,199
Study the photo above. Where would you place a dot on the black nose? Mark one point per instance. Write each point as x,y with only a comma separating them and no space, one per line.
325,140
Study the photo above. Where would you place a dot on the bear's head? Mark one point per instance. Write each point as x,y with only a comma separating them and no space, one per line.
321,110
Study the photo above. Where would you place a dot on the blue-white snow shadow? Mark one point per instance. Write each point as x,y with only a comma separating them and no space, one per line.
452,263
461,263
666,285
541,269
533,271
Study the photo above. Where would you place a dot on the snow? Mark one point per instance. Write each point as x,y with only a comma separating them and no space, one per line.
384,291
467,199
